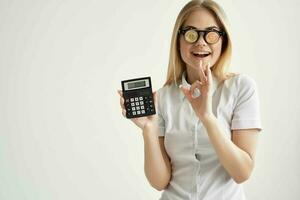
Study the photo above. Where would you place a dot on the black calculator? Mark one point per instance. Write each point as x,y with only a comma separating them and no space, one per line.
138,97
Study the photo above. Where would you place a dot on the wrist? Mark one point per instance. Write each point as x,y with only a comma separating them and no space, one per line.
207,119
148,127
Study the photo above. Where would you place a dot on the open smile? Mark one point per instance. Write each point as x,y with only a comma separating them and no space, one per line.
201,54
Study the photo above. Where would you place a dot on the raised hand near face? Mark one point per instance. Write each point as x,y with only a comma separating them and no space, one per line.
202,104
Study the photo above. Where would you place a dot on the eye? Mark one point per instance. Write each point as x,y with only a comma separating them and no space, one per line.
191,36
212,37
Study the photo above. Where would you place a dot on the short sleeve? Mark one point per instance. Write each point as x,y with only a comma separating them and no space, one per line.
161,121
246,113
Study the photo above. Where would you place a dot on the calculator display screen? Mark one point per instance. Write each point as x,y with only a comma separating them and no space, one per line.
136,84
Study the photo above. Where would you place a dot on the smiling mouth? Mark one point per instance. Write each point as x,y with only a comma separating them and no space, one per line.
201,54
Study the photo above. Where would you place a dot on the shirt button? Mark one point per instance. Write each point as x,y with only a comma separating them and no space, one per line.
198,157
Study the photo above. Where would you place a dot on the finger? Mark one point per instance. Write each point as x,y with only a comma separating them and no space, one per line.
203,77
208,73
124,112
195,89
120,93
201,73
186,92
121,99
122,103
200,64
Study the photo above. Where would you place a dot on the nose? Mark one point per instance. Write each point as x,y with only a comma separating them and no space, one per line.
201,40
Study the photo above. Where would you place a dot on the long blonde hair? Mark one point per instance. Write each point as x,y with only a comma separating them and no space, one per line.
176,65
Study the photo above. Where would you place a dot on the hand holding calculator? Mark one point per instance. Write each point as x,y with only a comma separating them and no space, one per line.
138,97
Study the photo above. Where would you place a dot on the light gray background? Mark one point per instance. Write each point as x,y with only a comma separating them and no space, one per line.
62,135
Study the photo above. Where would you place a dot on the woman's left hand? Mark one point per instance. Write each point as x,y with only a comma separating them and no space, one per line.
202,104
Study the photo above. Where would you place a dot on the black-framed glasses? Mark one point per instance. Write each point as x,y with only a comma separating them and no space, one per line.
191,35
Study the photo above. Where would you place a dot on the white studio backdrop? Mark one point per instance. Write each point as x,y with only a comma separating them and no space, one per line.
62,135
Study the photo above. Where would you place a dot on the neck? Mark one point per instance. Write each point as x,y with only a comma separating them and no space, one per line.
191,75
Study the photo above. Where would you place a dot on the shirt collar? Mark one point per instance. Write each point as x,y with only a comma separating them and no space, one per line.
185,83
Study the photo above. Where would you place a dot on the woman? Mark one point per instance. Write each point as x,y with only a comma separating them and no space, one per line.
202,142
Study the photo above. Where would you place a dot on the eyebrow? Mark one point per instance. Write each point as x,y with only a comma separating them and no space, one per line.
208,28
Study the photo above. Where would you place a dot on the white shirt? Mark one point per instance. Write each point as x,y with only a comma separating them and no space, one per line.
197,173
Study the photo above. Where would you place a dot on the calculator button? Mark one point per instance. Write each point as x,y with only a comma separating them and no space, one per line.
141,103
136,99
137,107
132,104
127,100
142,107
138,112
137,103
131,99
134,113
143,111
141,98
133,108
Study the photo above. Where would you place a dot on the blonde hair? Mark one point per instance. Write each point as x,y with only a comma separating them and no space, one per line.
176,65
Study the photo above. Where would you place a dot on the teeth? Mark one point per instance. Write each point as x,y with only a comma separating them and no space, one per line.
201,53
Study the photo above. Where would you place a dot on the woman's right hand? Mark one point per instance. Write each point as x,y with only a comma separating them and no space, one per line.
141,122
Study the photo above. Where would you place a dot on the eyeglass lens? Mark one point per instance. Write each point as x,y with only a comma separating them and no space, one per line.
210,37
